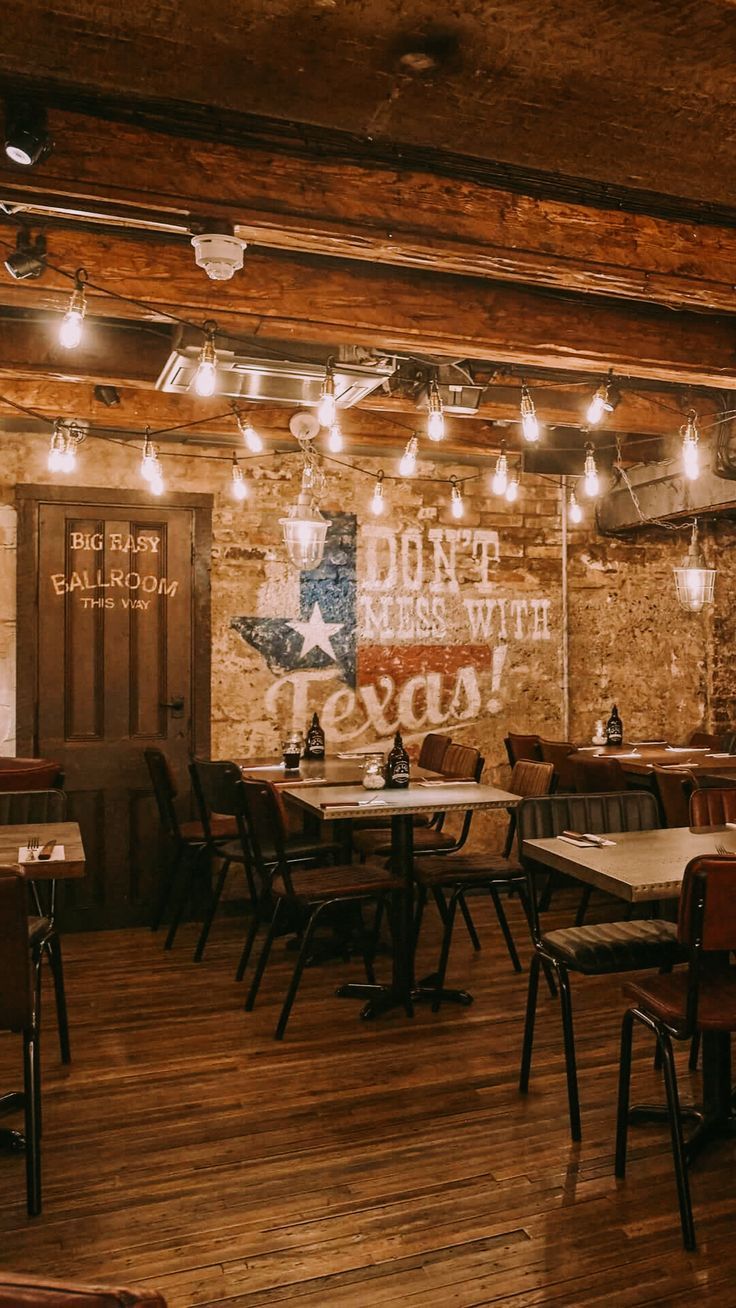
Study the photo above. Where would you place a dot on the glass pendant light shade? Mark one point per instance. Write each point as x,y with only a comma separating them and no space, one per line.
694,581
305,533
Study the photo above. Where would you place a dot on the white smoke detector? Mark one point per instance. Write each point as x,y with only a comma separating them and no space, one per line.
219,254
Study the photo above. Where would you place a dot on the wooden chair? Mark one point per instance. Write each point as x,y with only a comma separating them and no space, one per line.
713,806
673,789
19,808
306,898
460,762
433,750
593,776
38,1292
520,747
705,740
590,950
461,875
679,1006
557,752
19,1013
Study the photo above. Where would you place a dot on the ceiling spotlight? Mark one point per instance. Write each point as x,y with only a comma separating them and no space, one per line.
107,395
27,259
27,140
219,253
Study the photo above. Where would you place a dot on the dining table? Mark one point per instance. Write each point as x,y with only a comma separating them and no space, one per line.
638,759
648,867
333,770
67,862
424,796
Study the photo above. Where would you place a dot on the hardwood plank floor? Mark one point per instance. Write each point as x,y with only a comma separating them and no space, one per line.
356,1164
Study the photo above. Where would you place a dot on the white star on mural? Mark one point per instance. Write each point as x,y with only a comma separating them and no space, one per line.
316,634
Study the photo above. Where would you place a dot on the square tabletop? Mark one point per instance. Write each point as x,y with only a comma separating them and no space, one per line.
638,760
13,838
330,771
641,866
445,797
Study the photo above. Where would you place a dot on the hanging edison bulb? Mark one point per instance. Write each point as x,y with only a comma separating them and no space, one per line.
529,420
500,474
69,456
238,484
304,527
378,502
574,509
205,378
694,581
149,457
436,416
57,446
408,461
70,330
512,490
335,441
457,504
690,447
251,439
327,407
600,404
591,480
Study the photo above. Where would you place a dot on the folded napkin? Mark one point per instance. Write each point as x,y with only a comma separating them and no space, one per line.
56,856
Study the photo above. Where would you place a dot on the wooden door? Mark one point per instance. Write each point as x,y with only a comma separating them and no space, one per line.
107,652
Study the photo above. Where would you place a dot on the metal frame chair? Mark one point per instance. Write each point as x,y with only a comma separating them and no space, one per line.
19,1012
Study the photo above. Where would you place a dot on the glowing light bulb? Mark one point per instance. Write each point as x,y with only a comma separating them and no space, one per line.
378,502
149,460
591,480
70,330
512,490
327,407
500,475
408,463
205,378
56,450
69,457
574,510
457,505
334,440
690,449
436,418
600,405
251,439
529,420
238,484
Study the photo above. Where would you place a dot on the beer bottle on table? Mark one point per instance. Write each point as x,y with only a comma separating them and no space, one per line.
397,765
614,728
315,746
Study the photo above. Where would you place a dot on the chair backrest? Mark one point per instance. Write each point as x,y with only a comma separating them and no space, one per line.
20,806
557,752
591,776
728,742
461,761
707,910
674,788
434,748
164,789
626,810
16,988
704,740
713,806
30,774
264,816
529,778
38,1292
519,747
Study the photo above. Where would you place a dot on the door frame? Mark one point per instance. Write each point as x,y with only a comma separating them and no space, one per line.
29,499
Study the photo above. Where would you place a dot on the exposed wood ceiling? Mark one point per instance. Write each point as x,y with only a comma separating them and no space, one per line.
553,199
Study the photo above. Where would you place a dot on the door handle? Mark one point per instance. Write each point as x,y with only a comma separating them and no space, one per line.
176,705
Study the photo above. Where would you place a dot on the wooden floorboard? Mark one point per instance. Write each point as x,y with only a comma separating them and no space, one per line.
356,1164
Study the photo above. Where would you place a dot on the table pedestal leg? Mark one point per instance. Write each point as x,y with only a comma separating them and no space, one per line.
715,1119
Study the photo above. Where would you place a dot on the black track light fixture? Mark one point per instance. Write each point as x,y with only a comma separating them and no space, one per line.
27,259
27,138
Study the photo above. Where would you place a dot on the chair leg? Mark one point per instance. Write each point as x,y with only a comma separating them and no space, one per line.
531,1008
370,941
678,1146
53,949
583,905
469,923
692,1061
504,925
445,949
419,912
624,1082
169,880
570,1065
297,974
250,939
186,885
32,1104
263,958
545,899
214,901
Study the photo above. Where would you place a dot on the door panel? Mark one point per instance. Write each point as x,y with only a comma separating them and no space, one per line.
113,648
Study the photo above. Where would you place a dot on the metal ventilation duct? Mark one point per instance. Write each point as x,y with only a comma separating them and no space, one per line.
243,375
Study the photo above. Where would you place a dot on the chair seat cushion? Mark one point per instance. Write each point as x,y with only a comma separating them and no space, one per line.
616,946
342,881
665,997
466,868
222,828
378,843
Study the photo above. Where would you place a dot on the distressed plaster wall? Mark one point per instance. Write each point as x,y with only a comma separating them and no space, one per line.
422,619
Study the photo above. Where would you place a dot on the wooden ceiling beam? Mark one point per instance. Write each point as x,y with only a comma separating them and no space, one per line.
362,211
296,298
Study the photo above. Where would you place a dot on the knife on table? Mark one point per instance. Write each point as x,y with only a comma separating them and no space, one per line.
47,851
